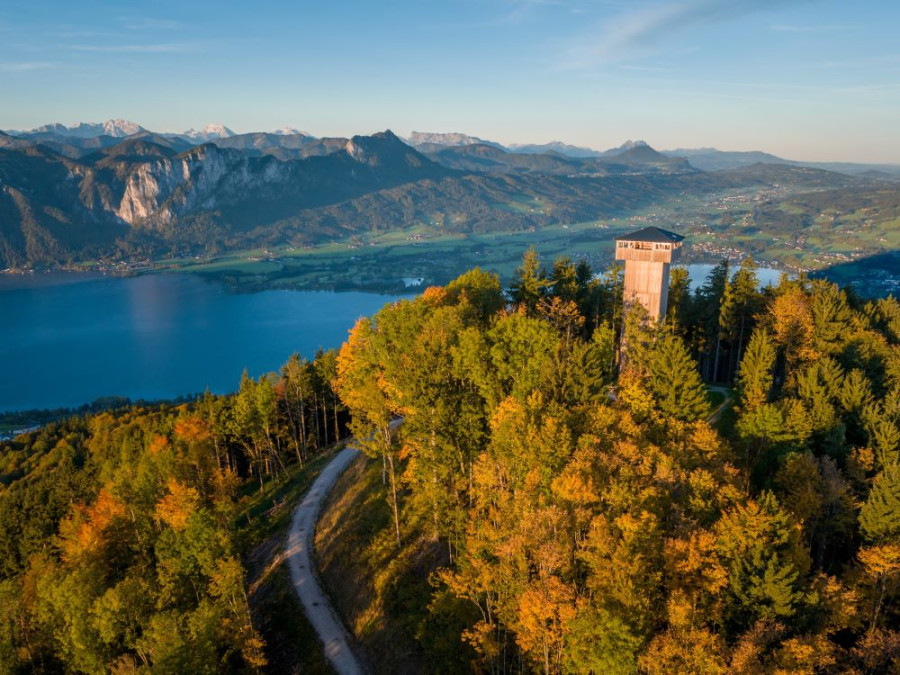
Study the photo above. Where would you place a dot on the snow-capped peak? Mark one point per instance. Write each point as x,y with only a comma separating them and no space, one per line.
289,131
209,132
629,145
118,128
447,139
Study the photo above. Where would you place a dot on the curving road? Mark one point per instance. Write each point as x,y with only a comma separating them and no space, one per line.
300,559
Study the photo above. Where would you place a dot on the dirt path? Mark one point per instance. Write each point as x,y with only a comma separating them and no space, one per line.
717,413
318,608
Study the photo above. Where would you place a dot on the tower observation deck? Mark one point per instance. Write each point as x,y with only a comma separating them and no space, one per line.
648,255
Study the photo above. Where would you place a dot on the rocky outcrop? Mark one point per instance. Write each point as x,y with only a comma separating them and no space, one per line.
203,178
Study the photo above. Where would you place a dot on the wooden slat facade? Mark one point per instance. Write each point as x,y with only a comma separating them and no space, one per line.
647,273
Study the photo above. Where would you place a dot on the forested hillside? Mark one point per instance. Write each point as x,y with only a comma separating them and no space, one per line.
128,538
565,494
578,521
148,197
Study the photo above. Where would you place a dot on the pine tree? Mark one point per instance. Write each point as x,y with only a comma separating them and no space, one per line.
528,284
675,382
679,297
590,296
708,301
791,322
879,517
564,279
760,423
830,316
758,543
756,371
885,316
741,301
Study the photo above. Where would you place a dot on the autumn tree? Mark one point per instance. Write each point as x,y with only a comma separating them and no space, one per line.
362,387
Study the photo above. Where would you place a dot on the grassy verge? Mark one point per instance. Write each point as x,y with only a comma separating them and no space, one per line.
382,591
292,645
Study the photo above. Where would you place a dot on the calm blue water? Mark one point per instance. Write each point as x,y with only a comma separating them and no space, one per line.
699,271
66,340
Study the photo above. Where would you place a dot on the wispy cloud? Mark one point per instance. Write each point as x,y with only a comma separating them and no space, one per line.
638,33
25,66
165,48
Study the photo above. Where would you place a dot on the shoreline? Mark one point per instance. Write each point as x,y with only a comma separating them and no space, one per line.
238,281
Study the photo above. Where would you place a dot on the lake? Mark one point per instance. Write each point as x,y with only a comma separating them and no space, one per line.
67,339
699,271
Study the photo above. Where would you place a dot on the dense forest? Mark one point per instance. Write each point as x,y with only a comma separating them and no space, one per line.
123,534
597,508
587,503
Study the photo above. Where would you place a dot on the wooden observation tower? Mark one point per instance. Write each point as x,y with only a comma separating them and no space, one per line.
648,255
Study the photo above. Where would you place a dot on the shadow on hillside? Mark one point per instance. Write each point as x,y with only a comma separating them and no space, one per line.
873,276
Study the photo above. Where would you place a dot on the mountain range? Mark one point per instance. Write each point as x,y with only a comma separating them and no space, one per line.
705,159
67,196
115,128
84,137
427,139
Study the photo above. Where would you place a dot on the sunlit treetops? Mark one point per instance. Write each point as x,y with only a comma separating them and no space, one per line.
593,513
600,519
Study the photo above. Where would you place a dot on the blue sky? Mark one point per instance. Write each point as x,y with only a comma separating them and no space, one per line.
814,80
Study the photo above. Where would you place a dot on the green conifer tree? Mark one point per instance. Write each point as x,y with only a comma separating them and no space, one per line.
679,297
741,301
755,375
528,284
831,316
708,301
675,382
564,279
879,517
758,543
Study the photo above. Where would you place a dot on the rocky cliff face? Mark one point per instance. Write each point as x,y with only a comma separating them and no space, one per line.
209,177
148,194
145,182
148,187
204,178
